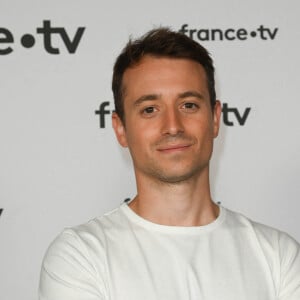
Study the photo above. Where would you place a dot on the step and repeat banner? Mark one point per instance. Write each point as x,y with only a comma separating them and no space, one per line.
60,164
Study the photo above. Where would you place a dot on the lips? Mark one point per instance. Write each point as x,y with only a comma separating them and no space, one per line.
174,148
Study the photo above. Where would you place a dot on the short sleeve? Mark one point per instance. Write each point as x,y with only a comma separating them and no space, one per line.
68,272
289,268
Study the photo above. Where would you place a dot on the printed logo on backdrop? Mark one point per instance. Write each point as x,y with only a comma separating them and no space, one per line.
47,32
229,34
231,116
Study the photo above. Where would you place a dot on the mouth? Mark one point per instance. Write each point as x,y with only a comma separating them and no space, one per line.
173,148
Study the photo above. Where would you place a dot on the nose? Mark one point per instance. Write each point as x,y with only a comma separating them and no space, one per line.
172,122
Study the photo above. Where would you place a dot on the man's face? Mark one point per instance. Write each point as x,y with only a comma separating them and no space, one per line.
169,124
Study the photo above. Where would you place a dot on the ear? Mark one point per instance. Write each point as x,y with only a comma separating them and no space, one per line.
119,129
217,117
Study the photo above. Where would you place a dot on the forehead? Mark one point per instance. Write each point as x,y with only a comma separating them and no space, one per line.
154,74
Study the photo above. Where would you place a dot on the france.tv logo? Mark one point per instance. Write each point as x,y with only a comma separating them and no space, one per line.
47,32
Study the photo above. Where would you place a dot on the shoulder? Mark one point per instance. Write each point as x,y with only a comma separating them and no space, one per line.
87,238
278,249
265,234
76,259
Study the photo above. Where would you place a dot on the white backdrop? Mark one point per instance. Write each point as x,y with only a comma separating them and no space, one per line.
58,168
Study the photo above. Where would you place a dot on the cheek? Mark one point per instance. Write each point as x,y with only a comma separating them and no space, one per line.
137,137
203,133
201,126
142,130
142,144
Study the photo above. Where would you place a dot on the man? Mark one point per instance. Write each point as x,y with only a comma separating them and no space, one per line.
171,241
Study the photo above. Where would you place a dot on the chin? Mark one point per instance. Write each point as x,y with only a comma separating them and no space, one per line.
175,178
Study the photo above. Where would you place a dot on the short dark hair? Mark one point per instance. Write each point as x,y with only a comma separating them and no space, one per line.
161,42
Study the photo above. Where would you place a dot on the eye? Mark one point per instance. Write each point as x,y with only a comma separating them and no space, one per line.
190,106
149,110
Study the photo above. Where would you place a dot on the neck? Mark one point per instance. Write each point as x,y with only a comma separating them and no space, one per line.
187,203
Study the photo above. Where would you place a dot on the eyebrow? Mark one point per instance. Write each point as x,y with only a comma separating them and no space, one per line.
150,97
191,94
144,98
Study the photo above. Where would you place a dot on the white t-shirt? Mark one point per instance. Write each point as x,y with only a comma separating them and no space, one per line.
121,256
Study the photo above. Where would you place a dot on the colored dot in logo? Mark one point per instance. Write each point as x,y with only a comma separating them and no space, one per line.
253,34
27,40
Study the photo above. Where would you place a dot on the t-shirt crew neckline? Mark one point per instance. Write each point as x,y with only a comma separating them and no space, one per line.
135,218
